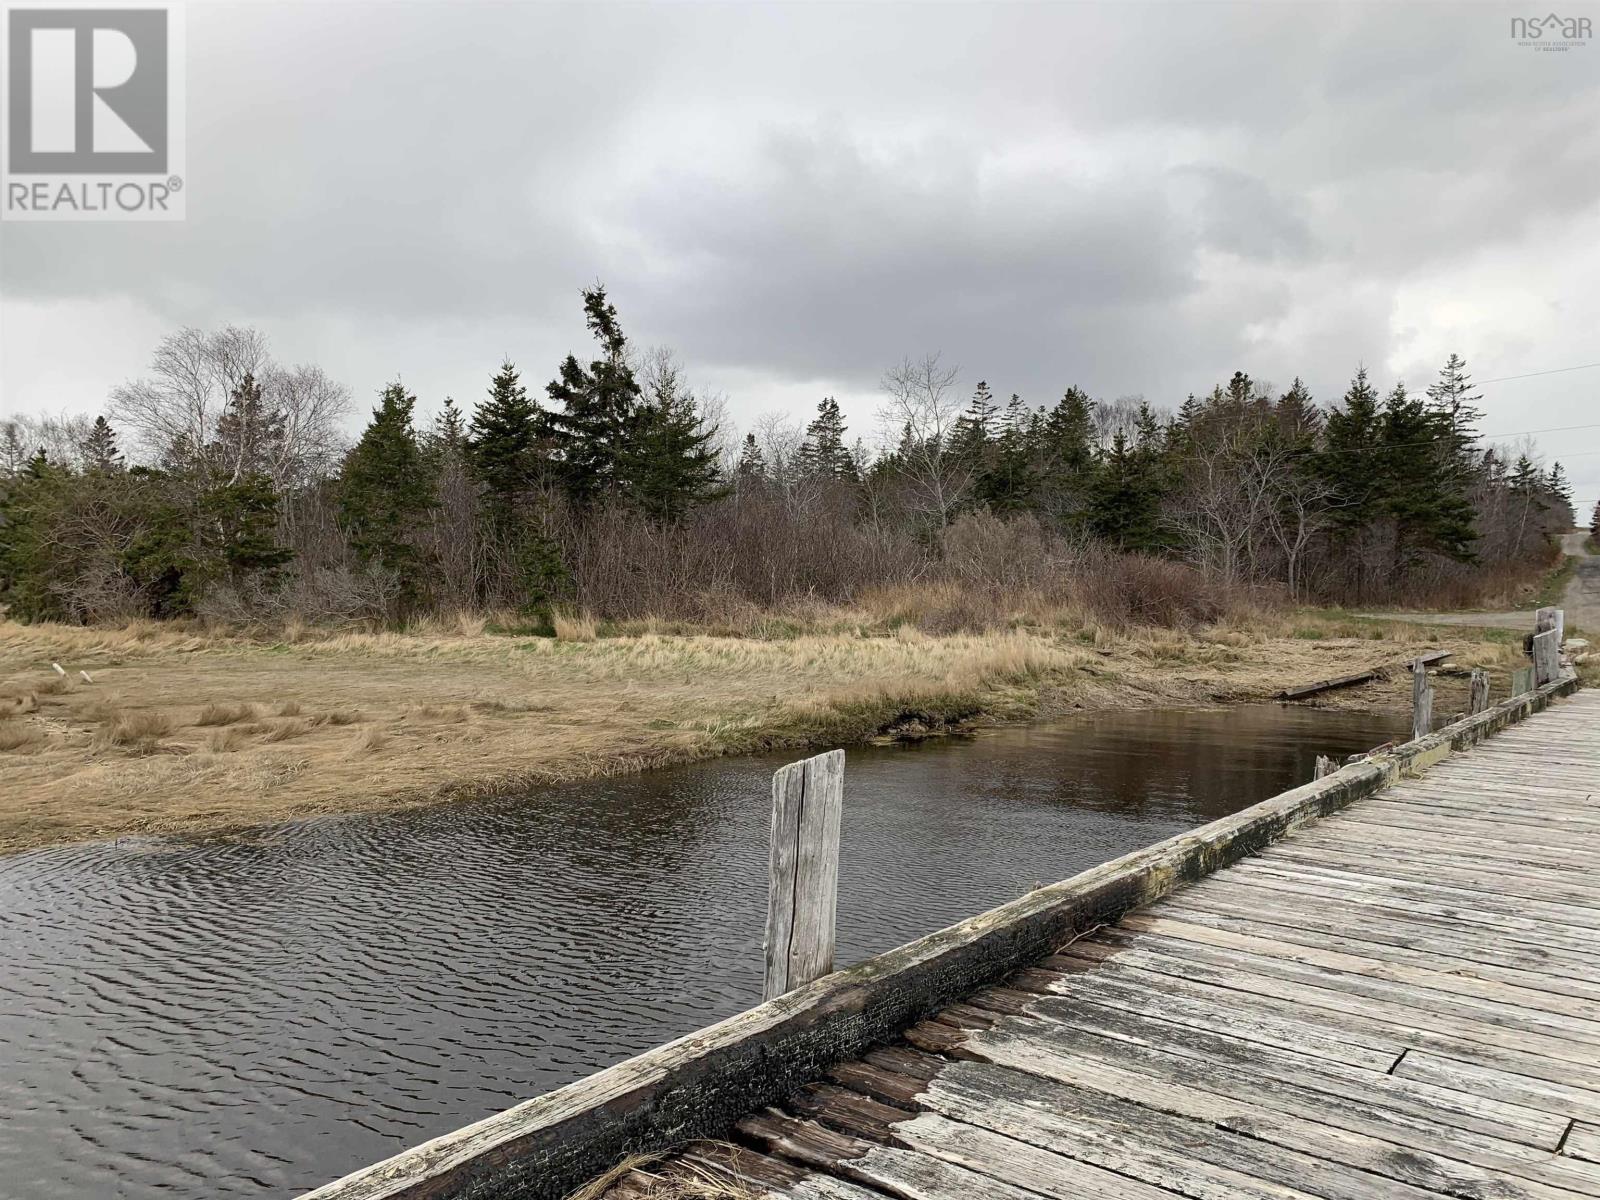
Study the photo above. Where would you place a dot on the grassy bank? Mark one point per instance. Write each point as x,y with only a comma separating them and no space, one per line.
182,730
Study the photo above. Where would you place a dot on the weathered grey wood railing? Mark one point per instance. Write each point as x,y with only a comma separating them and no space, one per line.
700,1085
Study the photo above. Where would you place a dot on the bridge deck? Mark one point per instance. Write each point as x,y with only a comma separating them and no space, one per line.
1402,1000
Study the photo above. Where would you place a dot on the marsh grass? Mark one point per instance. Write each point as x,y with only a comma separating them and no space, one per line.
21,736
455,710
226,714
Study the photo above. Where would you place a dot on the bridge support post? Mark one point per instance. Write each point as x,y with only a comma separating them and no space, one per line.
807,800
1547,619
1478,692
1421,701
1546,657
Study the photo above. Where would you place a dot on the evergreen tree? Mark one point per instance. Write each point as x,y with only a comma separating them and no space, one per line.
1558,487
449,433
505,441
598,403
752,463
670,463
1425,497
1007,481
239,524
384,490
1594,523
823,453
1299,418
974,429
249,433
1351,442
99,449
1455,403
1124,504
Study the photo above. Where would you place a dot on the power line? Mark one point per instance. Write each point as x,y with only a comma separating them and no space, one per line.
1533,374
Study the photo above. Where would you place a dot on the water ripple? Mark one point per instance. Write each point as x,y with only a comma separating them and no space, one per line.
203,1021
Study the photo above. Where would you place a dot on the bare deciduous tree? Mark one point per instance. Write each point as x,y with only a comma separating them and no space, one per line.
917,422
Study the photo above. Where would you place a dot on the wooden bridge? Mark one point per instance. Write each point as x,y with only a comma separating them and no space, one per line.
1383,984
1401,1001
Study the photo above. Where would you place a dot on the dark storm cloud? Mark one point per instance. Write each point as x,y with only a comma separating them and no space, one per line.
1139,198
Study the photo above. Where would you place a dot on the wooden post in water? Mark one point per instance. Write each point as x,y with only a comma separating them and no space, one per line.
807,799
1421,701
1546,657
1325,766
1478,691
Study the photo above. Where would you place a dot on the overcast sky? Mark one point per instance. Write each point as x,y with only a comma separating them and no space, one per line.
1133,198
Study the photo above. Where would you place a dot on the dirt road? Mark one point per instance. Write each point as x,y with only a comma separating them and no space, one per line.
1581,599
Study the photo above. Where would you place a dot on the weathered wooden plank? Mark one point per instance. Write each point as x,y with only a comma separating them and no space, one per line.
1015,1162
1561,1099
1171,935
807,800
1309,893
1247,1012
1075,1121
1192,961
1401,1009
1406,942
1522,680
1222,1051
1567,916
1546,658
1300,691
1357,1134
1583,1142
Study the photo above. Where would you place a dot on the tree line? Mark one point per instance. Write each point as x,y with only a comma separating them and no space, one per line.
620,491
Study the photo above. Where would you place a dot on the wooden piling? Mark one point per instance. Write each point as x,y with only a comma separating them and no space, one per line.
807,799
1522,680
1325,766
1546,657
1546,619
1478,692
1421,701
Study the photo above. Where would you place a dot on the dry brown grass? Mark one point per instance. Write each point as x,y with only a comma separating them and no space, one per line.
138,729
378,720
226,740
20,737
226,714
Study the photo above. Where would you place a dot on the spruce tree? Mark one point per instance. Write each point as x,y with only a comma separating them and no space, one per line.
752,463
975,428
384,490
505,441
449,431
598,403
99,448
1349,456
1007,481
824,454
1425,496
670,463
1124,504
1558,487
1299,418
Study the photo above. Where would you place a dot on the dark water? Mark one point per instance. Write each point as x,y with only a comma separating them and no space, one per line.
252,1020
